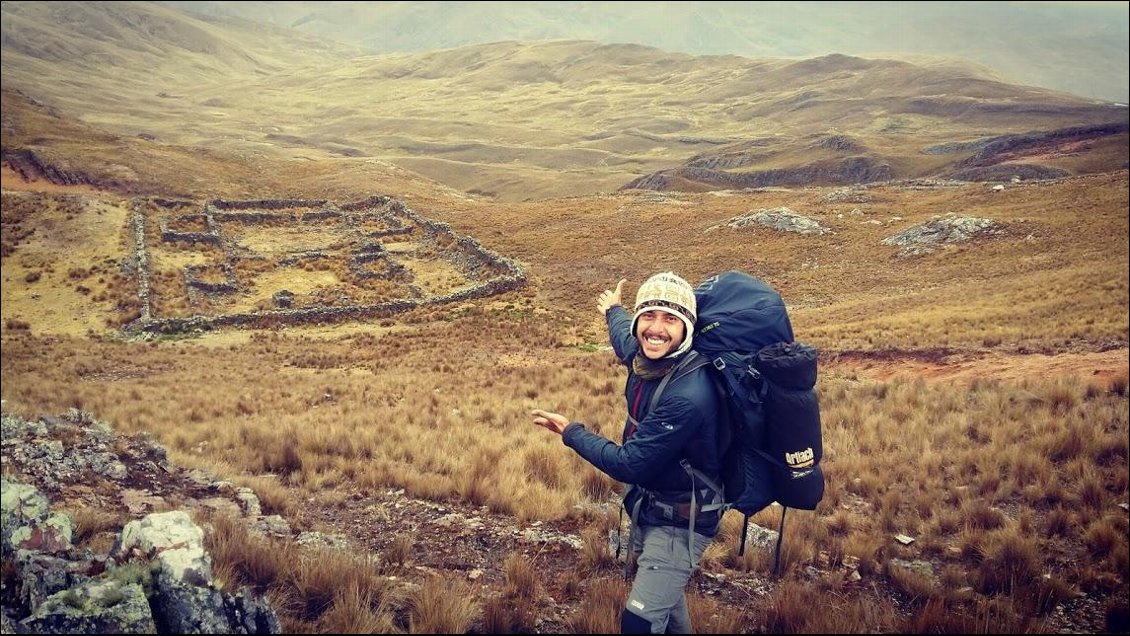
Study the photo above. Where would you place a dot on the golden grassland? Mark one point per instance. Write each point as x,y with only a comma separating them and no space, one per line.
1010,488
973,399
1009,483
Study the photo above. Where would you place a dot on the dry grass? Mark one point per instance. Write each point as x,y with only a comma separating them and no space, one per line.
513,120
514,610
974,399
443,606
998,482
315,589
599,611
89,523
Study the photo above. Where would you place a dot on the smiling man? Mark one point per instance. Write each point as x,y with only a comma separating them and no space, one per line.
674,515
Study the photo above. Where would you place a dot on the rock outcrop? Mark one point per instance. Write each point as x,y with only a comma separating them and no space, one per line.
949,229
157,577
849,170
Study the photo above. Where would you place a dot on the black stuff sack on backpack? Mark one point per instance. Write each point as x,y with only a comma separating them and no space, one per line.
792,423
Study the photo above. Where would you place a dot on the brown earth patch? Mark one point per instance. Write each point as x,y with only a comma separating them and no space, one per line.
1100,367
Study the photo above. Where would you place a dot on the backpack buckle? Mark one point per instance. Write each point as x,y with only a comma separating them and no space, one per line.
719,363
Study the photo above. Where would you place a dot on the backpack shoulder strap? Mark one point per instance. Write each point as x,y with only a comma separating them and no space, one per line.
688,365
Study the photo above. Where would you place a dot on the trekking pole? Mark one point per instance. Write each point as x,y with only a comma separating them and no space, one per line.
745,533
780,538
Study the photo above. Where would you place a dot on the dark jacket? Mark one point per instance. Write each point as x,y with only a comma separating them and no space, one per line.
684,425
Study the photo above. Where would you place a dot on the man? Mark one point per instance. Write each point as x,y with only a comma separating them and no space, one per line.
663,497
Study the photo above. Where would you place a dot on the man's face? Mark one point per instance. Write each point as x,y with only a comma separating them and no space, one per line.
659,333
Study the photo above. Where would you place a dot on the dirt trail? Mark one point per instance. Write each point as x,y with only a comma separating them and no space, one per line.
1100,367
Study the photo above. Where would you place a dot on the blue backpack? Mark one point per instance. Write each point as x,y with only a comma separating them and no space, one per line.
768,381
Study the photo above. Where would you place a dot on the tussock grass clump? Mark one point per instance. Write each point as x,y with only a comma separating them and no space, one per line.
399,551
522,580
515,609
595,553
505,615
710,616
244,558
90,522
312,588
600,607
360,610
443,605
1007,560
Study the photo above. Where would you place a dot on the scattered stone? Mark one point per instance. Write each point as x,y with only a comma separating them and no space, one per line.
951,228
922,568
779,219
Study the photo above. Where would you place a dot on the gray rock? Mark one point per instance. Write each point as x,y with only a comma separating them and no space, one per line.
20,505
103,607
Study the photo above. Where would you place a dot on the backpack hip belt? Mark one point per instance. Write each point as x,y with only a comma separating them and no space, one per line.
683,510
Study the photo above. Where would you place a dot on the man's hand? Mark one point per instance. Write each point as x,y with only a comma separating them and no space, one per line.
609,298
551,421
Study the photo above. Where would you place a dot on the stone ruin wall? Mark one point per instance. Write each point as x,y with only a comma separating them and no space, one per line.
495,273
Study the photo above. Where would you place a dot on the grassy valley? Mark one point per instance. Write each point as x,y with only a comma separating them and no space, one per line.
973,392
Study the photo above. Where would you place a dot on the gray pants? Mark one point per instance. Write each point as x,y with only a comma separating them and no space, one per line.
663,568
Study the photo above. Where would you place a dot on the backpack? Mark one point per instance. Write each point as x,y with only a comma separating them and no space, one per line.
772,442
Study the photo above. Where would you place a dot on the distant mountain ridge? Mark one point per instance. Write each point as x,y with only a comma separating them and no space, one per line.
1079,48
521,119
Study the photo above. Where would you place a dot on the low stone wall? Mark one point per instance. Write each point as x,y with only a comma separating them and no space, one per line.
320,215
255,217
297,257
495,273
142,258
389,270
210,237
193,280
267,204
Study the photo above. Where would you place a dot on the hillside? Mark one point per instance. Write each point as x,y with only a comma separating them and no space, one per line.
407,438
341,282
1069,47
520,121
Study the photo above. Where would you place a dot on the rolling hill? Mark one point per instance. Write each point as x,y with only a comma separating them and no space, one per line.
1078,48
955,246
519,120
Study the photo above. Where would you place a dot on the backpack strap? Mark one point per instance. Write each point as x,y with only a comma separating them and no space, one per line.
689,364
718,504
633,526
780,538
693,362
745,534
685,367
710,483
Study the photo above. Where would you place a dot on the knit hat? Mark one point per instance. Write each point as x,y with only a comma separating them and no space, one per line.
668,292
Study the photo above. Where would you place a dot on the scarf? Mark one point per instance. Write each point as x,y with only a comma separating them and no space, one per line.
648,369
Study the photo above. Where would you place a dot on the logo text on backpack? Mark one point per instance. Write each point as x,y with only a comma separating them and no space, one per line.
800,459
